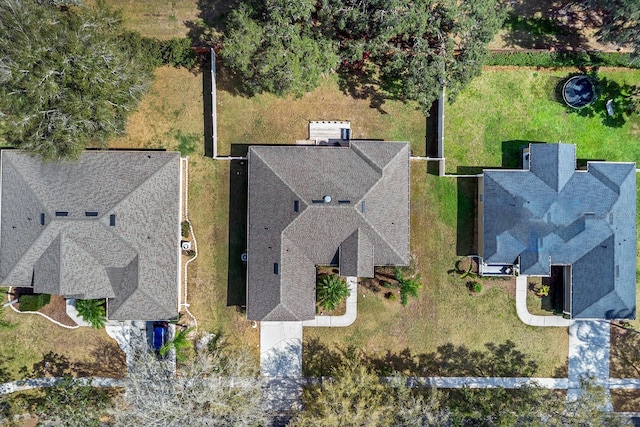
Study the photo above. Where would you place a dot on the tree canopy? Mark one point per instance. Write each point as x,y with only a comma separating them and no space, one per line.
620,22
68,76
405,50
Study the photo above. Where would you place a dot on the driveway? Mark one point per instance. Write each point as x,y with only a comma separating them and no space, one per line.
588,353
281,349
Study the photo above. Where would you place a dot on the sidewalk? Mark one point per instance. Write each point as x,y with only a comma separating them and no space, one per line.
528,318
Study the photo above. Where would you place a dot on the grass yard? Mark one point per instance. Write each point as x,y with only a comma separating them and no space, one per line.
505,109
445,312
90,352
269,119
162,19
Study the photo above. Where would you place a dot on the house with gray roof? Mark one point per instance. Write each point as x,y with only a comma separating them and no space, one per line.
104,226
321,205
551,214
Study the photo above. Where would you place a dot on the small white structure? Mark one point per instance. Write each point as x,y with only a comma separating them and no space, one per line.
186,245
328,132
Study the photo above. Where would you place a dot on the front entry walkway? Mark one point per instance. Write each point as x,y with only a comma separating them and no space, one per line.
528,318
281,342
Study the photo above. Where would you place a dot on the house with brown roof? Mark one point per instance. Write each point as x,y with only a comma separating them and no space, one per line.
344,205
104,226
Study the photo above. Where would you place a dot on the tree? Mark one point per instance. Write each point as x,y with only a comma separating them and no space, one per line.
214,388
408,286
331,291
68,77
620,22
180,343
275,47
67,403
92,311
404,50
355,397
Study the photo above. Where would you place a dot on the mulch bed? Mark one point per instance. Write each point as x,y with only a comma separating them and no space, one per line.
56,309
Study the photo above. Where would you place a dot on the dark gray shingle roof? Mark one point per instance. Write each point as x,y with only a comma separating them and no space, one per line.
553,214
134,263
366,222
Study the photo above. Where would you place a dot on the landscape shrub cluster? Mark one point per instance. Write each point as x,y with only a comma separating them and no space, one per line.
33,302
562,59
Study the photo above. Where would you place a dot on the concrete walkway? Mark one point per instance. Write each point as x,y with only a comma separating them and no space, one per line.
523,312
72,312
281,349
588,353
281,342
347,318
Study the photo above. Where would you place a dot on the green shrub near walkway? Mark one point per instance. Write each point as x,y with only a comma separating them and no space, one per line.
33,302
561,59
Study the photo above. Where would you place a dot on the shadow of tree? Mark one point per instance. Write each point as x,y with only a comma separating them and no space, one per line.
617,95
107,361
541,25
625,352
497,360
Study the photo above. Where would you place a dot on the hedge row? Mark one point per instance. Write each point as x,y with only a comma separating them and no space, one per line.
562,59
176,52
33,302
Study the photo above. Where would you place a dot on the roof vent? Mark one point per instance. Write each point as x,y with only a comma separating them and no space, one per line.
326,199
62,213
112,220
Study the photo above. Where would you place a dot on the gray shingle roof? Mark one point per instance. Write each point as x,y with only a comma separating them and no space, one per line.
48,240
553,214
366,223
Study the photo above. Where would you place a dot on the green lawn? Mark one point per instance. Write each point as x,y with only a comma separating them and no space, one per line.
502,110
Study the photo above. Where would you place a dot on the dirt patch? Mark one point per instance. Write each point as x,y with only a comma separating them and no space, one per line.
625,400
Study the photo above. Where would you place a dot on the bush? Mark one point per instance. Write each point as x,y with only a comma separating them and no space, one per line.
475,287
391,296
177,53
561,59
408,287
185,229
92,311
33,302
331,291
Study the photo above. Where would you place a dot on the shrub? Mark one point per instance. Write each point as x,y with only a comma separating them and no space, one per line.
475,287
561,59
33,302
331,291
391,296
185,229
92,311
177,52
408,287
544,291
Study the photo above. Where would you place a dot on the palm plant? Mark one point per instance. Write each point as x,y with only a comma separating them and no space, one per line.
331,290
408,287
180,343
92,311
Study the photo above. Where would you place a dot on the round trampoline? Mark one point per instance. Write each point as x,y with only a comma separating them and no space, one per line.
579,91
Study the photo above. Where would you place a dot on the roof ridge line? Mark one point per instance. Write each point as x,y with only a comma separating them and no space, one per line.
17,171
255,153
136,188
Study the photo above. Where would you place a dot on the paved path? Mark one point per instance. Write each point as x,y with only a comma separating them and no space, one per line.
281,342
348,317
72,312
281,349
523,312
588,353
